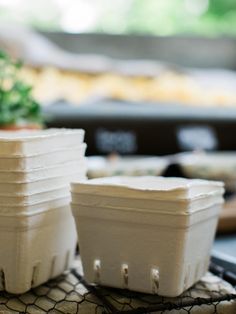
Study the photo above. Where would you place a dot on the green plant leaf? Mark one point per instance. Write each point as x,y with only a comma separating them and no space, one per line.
16,101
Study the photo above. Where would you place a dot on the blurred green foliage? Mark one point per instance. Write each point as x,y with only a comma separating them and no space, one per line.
168,17
17,106
220,8
156,17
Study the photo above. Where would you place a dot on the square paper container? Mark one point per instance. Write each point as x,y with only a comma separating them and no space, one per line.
144,249
35,248
31,142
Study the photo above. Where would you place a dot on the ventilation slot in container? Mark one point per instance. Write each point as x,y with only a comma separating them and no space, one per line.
125,276
53,266
2,280
35,275
155,279
97,270
67,259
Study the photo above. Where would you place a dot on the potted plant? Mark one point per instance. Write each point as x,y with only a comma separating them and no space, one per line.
18,108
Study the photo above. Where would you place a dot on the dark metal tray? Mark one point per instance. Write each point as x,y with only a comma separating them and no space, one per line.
147,129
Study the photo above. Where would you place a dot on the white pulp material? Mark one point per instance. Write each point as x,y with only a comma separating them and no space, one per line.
42,173
27,210
35,248
147,187
24,143
33,199
170,207
39,186
146,234
17,163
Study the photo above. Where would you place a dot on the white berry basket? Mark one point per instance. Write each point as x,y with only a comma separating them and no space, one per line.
35,247
37,230
146,234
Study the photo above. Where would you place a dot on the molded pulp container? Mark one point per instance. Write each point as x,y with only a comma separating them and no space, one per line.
37,230
35,247
148,234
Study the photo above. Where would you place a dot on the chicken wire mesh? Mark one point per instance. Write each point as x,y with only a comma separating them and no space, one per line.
70,294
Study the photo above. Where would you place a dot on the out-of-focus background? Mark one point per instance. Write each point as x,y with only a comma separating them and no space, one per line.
139,76
142,77
153,17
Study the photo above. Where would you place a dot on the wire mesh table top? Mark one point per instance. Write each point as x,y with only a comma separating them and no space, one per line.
70,294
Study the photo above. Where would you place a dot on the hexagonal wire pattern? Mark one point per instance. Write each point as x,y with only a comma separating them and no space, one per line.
69,293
